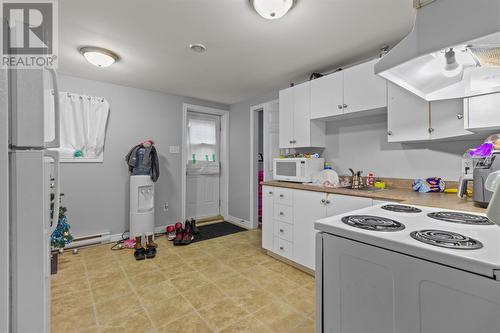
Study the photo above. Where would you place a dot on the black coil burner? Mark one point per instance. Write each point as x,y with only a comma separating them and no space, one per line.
374,223
447,239
401,209
463,218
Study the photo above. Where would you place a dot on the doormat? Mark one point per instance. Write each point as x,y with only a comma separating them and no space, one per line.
216,230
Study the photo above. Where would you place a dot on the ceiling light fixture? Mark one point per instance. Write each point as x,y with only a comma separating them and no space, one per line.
98,56
198,48
272,9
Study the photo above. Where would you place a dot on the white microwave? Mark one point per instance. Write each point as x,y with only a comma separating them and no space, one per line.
298,170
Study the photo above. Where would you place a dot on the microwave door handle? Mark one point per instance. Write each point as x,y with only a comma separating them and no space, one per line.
55,156
57,114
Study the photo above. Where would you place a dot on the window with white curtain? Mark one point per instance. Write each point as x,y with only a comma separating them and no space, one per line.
83,121
202,138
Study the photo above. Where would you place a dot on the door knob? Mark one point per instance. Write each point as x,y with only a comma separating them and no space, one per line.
345,105
339,106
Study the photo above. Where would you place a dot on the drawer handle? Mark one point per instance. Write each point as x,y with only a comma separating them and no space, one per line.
345,105
282,248
282,195
270,192
281,230
282,214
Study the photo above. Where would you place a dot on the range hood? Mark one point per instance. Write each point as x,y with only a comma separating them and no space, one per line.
453,50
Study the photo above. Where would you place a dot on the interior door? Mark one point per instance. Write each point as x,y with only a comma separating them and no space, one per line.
271,137
203,166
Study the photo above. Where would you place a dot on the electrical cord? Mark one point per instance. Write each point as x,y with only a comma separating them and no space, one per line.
118,245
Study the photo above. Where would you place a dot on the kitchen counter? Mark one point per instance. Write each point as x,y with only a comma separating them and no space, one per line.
403,195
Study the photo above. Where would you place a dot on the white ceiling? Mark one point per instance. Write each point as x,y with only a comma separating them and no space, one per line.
247,55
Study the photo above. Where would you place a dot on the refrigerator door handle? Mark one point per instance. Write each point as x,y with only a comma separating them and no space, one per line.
56,143
55,156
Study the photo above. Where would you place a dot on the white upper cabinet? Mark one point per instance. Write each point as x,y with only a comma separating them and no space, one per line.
327,95
296,128
302,115
286,118
407,116
351,90
447,119
363,90
482,112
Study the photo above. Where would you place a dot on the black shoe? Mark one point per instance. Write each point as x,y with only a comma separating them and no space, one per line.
140,253
150,252
196,231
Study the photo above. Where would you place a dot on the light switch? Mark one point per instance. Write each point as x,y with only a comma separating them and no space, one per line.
174,149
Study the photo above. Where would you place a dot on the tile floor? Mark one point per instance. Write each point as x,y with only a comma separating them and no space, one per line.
224,284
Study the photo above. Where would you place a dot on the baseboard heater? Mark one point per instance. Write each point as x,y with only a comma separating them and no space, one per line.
101,238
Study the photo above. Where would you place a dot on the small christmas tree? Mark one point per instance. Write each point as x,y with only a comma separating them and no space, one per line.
61,235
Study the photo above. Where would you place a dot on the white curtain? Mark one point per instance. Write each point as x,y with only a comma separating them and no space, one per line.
203,154
83,124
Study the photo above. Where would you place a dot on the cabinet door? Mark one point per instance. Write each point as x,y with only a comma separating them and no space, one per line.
327,95
363,90
341,204
302,115
309,206
482,112
407,116
447,119
267,217
286,107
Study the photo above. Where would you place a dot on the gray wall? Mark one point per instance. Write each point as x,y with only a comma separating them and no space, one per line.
361,144
97,194
239,156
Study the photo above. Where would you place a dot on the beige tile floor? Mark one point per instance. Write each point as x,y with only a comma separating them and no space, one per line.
224,284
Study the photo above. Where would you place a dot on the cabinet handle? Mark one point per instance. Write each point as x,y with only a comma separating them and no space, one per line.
460,116
281,230
282,195
271,192
323,201
389,132
328,202
290,141
282,248
431,130
345,106
293,141
282,214
339,106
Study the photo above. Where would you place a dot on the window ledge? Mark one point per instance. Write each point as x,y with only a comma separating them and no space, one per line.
82,159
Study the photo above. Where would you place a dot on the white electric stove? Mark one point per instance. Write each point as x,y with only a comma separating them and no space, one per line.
405,269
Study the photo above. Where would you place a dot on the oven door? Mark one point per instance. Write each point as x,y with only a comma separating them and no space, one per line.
287,169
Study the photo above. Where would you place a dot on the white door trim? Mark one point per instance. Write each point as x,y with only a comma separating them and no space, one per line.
224,150
254,223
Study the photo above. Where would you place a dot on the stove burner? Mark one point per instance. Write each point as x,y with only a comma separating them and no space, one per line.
401,209
462,218
374,223
446,239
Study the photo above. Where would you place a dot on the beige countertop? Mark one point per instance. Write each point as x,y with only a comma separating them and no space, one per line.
403,195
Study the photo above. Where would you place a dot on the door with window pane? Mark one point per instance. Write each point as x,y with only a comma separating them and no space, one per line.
203,165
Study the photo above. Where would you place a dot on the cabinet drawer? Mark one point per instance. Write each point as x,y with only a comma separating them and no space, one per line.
283,231
283,248
283,196
283,213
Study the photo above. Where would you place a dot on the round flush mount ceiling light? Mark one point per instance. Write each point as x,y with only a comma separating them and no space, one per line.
198,48
272,9
99,56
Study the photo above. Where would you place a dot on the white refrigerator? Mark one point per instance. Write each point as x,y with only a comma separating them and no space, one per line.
29,173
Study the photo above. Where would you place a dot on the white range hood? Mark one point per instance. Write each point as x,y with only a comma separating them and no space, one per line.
453,51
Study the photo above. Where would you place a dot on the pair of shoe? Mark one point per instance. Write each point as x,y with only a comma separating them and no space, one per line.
183,236
142,253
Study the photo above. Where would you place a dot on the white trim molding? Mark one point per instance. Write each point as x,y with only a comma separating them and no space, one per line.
224,155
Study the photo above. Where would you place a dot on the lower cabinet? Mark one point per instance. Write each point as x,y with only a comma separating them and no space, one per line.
288,225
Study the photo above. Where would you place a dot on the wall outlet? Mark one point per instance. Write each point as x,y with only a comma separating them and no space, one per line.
165,206
174,149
